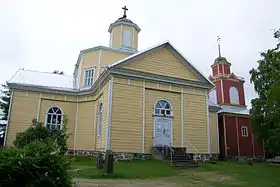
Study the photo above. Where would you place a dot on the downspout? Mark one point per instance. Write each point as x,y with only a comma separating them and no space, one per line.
76,124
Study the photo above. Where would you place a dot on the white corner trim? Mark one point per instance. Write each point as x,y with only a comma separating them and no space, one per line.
79,76
133,35
94,126
143,118
8,118
223,68
99,63
182,117
218,134
76,124
109,120
222,90
39,107
121,38
111,38
208,124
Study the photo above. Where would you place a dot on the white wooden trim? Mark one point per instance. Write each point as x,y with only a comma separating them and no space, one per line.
222,90
76,124
8,118
121,37
218,68
78,82
111,38
132,45
39,107
143,118
108,128
84,76
245,127
218,132
47,112
223,68
95,120
182,117
208,124
170,87
99,63
237,135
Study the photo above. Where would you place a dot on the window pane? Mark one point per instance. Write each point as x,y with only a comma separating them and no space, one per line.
156,111
167,106
58,111
58,119
162,112
168,112
49,118
158,105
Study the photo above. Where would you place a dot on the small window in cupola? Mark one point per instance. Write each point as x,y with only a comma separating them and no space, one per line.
127,38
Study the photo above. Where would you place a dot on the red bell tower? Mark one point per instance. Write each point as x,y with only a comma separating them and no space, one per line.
236,135
229,87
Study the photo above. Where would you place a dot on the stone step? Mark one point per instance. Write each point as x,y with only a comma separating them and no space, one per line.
184,163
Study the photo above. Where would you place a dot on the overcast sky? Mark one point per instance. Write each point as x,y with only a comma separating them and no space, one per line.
46,35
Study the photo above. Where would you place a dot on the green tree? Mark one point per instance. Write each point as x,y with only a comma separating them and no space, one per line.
265,112
5,101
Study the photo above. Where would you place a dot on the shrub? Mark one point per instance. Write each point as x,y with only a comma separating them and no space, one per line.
38,132
36,164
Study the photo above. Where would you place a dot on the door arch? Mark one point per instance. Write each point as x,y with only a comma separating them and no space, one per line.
163,118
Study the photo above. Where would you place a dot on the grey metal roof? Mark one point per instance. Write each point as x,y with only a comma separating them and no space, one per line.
234,110
124,21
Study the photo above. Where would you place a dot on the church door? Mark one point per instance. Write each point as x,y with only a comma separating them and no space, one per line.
163,116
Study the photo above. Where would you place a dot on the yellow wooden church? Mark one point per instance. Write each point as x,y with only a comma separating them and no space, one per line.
120,99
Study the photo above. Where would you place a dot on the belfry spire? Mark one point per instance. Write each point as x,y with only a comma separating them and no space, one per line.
219,45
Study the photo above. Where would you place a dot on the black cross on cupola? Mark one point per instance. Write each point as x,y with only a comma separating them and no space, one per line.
124,11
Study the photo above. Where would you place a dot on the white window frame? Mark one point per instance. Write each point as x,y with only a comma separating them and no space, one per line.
51,124
99,119
163,111
127,38
244,131
233,95
89,81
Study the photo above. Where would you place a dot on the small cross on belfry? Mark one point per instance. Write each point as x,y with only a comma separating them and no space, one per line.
124,13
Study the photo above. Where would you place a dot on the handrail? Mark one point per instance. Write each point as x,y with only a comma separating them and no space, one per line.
172,152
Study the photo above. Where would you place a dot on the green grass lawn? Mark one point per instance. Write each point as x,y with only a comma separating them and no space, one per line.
220,174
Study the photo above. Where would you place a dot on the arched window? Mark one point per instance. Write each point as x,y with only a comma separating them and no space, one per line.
54,118
163,108
99,125
233,94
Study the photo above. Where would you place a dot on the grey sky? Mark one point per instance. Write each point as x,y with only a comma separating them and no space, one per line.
48,34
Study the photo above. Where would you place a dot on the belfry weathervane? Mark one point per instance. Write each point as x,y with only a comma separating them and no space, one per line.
124,11
219,46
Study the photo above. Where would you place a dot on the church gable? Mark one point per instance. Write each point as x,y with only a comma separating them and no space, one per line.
162,60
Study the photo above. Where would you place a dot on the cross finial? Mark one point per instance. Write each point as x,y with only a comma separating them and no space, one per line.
124,11
219,46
